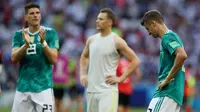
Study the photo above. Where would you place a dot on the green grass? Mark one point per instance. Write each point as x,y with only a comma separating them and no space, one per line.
5,109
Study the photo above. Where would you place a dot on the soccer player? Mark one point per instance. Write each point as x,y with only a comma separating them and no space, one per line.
101,54
35,49
126,87
169,95
60,79
75,90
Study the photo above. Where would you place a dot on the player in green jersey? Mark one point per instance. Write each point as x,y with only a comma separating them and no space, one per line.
35,49
169,95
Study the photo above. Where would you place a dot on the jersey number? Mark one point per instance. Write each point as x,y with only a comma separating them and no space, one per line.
149,110
47,107
31,49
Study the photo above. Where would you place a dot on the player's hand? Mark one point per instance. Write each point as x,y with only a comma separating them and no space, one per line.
26,36
164,83
110,79
42,35
84,80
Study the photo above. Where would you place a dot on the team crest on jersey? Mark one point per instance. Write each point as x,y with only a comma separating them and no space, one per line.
38,39
32,39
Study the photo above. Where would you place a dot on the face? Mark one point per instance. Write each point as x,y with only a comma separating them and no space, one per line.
33,17
152,29
103,21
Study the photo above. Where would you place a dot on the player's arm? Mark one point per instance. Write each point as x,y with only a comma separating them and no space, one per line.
50,49
138,75
51,54
178,63
175,48
84,60
130,55
17,51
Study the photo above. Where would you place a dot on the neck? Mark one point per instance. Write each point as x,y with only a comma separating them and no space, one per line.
163,30
33,29
105,32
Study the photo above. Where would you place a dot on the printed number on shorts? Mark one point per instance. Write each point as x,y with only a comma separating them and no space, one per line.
47,107
149,110
31,49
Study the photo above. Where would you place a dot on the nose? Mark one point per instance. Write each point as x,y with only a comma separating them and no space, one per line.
97,21
35,15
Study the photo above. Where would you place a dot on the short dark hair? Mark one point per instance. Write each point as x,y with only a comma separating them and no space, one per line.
110,14
30,5
152,15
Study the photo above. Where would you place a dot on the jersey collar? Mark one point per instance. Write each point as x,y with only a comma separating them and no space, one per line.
35,32
167,31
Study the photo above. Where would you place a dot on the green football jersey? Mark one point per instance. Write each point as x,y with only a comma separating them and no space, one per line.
175,89
35,71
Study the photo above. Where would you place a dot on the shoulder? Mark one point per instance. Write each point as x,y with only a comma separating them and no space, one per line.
49,30
91,38
171,39
18,33
170,36
117,38
119,41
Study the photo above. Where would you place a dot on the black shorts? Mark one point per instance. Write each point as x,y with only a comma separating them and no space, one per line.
75,91
59,93
124,99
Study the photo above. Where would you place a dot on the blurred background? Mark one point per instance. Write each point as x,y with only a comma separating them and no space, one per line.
74,21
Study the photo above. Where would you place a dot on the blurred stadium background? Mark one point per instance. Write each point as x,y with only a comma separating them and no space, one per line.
74,21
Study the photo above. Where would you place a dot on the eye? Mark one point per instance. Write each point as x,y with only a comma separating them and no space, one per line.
31,13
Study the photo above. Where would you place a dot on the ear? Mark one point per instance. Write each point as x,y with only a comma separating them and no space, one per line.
110,22
154,23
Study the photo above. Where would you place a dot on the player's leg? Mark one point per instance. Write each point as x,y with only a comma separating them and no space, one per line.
44,100
92,102
168,105
80,92
163,104
121,101
108,101
152,104
22,103
72,97
58,95
127,103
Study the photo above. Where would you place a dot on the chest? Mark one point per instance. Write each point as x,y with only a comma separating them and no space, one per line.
35,47
102,47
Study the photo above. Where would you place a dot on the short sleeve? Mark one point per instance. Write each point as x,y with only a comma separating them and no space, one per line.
53,41
16,40
171,44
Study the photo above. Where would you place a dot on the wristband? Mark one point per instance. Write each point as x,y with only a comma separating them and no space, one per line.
44,44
